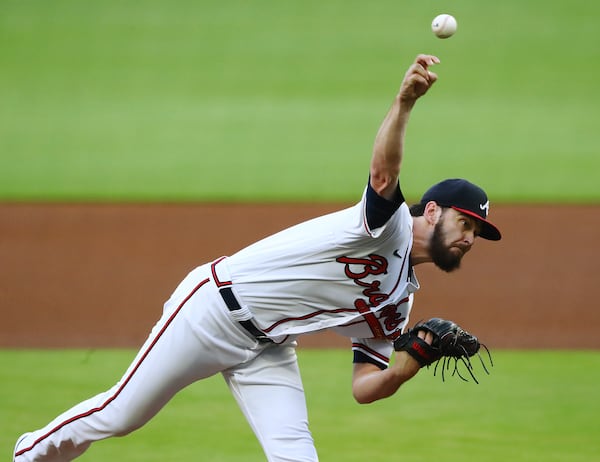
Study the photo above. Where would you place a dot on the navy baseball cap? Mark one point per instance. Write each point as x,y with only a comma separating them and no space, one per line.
467,198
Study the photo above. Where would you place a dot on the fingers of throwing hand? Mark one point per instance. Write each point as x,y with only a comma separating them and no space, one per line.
422,64
427,60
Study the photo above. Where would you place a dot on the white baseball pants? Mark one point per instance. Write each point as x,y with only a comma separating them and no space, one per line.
194,339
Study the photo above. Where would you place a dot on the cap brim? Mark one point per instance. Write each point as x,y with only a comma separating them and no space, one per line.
488,229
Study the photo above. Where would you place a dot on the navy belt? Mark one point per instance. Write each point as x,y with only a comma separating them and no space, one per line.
233,305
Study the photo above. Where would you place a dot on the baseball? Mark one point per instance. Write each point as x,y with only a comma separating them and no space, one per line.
444,25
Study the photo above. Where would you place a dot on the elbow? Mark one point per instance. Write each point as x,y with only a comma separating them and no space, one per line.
360,399
364,396
384,178
384,184
370,383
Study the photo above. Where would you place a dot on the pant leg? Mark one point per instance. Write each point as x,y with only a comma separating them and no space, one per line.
270,393
194,339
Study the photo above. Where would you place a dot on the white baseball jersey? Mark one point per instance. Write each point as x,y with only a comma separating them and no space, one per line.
331,272
348,271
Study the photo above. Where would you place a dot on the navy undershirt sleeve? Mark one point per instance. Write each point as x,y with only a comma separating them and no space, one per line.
360,357
378,209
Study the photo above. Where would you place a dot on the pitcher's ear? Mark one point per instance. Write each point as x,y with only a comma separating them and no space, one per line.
432,212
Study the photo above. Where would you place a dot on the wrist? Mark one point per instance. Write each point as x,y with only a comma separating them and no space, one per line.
405,365
405,102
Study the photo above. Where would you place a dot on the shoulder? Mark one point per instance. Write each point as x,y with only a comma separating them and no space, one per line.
378,211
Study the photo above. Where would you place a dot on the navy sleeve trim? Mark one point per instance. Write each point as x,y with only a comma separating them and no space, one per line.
360,357
378,209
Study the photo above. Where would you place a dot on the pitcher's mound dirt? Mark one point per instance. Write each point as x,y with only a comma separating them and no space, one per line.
97,275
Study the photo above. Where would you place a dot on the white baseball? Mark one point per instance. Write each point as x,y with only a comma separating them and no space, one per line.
444,25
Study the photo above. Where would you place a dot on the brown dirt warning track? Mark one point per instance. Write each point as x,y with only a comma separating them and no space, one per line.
81,275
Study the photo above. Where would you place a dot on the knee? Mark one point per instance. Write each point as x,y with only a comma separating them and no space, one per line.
124,424
285,448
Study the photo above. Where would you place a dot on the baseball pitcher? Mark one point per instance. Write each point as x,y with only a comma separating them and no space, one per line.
352,271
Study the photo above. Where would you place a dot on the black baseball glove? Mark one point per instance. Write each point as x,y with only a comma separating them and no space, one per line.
450,341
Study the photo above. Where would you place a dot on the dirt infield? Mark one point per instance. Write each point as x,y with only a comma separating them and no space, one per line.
97,275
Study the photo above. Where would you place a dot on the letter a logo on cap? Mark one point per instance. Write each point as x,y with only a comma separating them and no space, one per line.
485,207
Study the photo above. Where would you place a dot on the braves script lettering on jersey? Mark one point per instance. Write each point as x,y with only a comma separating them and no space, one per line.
390,317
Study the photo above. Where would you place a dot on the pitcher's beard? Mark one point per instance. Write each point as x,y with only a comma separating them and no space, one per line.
442,256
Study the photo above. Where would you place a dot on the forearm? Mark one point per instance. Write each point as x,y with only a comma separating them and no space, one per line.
389,147
370,383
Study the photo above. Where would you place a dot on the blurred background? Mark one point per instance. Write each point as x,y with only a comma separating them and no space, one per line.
140,139
277,101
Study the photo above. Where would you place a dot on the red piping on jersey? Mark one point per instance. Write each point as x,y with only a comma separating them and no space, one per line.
401,270
364,219
308,316
365,223
125,382
214,273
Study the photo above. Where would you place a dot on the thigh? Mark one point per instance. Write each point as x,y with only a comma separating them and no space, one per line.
269,391
194,339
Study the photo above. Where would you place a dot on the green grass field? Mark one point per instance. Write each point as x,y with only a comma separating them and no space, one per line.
211,100
536,405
